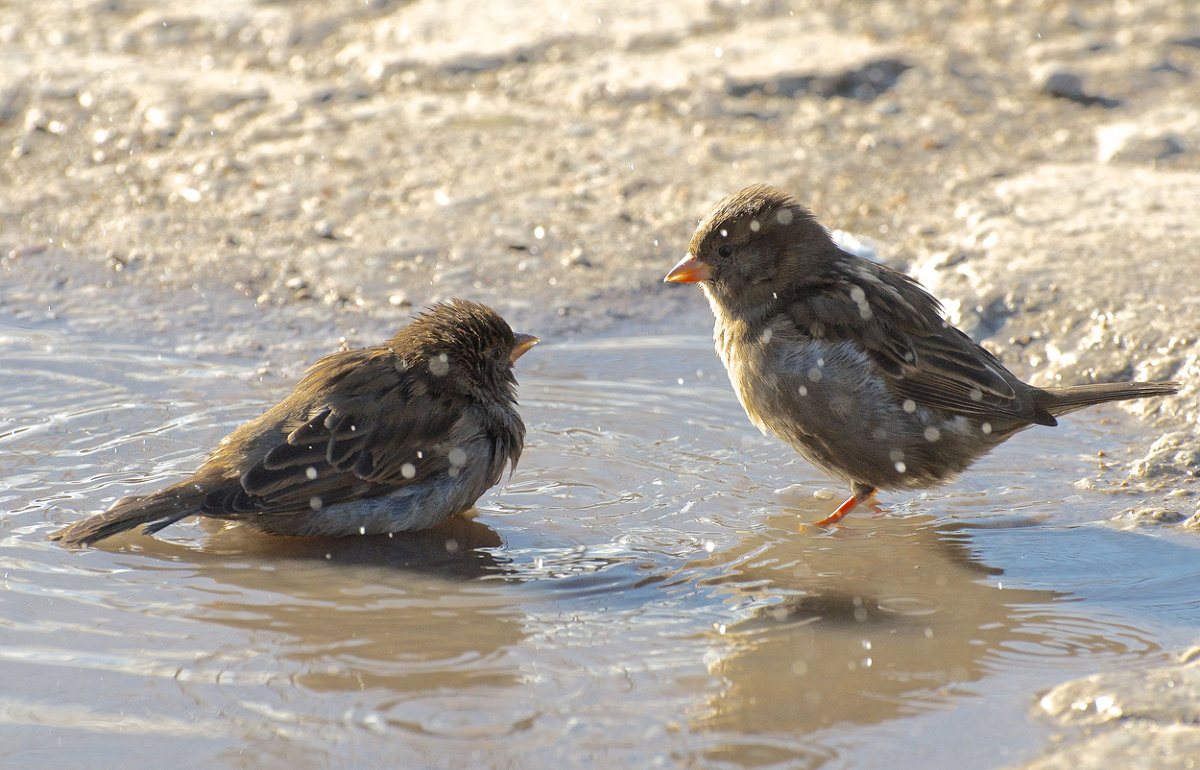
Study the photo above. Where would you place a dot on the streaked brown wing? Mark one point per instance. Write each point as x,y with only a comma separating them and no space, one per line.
900,326
369,430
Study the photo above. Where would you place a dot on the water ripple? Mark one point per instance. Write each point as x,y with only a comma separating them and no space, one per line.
643,586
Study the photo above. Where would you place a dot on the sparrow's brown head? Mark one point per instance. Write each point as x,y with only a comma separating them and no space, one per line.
754,241
466,344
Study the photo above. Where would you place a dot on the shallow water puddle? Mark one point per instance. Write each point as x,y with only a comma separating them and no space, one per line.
643,589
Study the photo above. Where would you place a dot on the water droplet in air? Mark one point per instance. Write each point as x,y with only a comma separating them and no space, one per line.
932,434
315,503
910,406
408,470
986,428
439,365
311,473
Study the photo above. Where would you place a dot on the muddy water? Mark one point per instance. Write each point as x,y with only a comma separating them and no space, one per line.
643,590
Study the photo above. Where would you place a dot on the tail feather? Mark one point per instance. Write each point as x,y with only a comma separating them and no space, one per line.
1068,399
125,514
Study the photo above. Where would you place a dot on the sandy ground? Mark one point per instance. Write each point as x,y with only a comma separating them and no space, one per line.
257,178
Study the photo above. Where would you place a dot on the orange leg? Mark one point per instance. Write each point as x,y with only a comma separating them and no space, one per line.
844,509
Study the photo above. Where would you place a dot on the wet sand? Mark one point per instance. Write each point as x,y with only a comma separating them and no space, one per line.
265,182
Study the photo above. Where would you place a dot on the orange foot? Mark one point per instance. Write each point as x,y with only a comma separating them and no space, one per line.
845,508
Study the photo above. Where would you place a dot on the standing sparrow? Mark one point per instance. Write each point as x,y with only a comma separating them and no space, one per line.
371,441
851,363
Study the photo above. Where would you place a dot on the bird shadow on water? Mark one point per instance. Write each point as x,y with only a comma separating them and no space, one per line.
883,618
460,548
915,612
406,615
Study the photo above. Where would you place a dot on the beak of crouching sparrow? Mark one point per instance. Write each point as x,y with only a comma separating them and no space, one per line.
689,270
521,344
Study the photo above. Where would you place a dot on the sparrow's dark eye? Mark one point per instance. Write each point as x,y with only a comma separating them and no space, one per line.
725,251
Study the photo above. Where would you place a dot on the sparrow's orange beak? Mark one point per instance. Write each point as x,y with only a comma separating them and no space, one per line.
689,270
521,343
